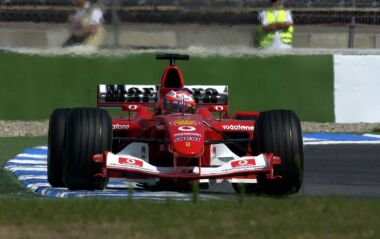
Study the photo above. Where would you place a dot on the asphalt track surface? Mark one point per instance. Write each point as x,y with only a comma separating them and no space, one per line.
342,170
339,170
336,168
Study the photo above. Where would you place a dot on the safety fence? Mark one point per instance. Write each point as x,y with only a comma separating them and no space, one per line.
171,11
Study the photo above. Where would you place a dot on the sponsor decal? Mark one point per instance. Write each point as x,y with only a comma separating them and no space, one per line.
97,157
187,139
243,163
186,128
132,162
187,144
184,122
132,107
120,126
238,127
187,134
219,108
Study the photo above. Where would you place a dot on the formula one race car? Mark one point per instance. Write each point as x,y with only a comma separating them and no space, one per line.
172,136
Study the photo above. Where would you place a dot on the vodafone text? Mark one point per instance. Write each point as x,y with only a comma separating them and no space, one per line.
120,127
238,127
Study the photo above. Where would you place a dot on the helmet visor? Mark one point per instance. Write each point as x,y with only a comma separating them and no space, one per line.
175,107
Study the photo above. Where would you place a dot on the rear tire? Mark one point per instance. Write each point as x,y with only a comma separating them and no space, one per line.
56,146
89,132
279,132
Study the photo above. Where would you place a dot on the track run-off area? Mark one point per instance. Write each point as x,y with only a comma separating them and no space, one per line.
335,164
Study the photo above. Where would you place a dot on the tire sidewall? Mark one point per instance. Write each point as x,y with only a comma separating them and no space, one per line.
56,146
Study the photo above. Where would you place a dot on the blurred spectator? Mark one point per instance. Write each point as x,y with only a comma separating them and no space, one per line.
87,26
276,30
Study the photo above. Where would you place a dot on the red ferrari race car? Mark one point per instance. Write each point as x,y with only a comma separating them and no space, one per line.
172,136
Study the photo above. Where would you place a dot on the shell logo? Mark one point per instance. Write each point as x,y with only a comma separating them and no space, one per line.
219,108
184,122
132,107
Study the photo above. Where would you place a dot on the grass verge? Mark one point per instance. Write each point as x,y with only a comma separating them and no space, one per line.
9,147
253,217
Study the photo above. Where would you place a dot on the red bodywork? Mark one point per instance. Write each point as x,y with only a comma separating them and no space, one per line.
179,141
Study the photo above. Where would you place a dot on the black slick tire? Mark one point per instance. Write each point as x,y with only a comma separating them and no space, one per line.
279,132
56,146
89,132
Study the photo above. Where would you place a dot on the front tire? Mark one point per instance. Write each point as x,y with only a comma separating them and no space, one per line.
279,132
89,133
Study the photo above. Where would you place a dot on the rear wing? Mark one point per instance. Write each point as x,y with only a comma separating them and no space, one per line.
114,96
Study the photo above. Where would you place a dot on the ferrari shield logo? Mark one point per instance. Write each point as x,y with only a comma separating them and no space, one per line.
187,144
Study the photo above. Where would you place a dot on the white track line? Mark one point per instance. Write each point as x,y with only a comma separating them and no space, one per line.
27,177
34,156
27,161
33,169
372,135
342,142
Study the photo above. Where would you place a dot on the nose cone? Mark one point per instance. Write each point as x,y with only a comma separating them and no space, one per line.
187,137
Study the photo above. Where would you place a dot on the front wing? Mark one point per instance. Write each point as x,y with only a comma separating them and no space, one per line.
111,165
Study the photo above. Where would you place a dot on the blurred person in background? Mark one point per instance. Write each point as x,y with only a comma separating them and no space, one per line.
276,29
87,28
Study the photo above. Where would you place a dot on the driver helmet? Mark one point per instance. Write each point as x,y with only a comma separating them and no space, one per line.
178,101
